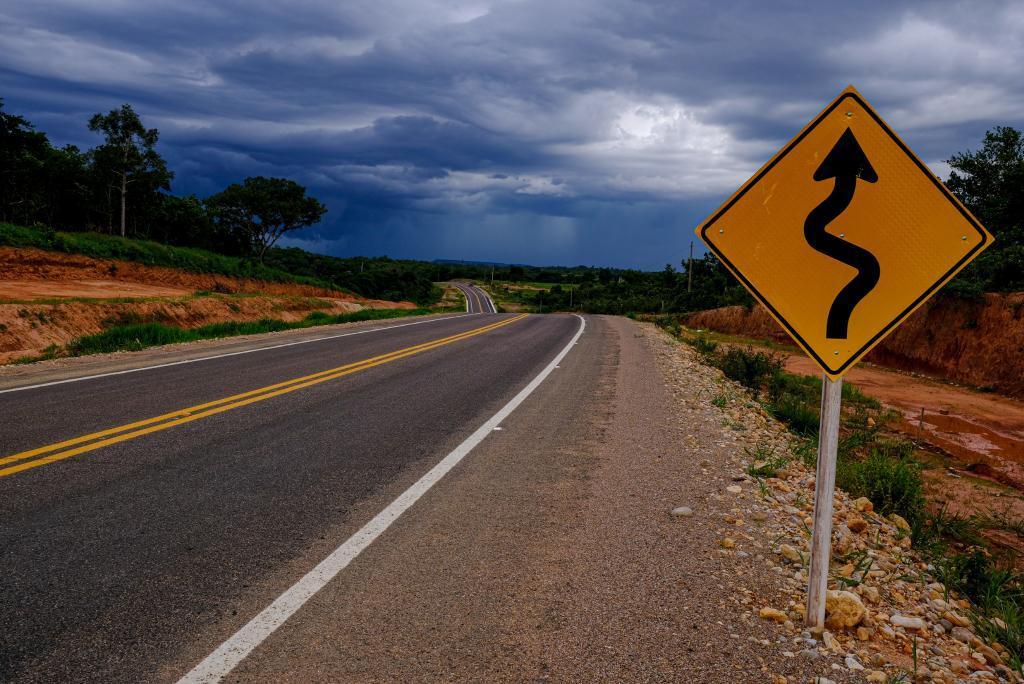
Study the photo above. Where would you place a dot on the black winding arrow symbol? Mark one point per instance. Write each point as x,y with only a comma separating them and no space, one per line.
846,163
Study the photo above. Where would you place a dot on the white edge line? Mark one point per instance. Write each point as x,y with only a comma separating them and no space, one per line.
230,653
490,301
221,356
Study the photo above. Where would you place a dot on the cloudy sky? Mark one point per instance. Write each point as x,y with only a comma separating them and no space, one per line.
547,131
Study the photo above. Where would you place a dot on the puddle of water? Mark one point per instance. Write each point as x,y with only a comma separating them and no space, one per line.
967,438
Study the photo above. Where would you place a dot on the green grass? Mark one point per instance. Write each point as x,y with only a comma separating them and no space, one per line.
132,336
892,485
100,246
798,416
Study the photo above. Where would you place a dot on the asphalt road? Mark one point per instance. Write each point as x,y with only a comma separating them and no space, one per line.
477,301
146,515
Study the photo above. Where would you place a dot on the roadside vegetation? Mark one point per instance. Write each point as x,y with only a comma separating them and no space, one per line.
134,335
150,253
876,463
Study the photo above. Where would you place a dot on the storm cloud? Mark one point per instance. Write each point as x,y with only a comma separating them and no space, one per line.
595,132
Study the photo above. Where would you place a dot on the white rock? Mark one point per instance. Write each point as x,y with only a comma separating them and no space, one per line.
682,512
908,622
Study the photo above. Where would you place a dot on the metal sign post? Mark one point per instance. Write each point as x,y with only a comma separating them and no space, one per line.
824,489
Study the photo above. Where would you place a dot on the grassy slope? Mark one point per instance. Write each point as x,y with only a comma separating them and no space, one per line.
99,246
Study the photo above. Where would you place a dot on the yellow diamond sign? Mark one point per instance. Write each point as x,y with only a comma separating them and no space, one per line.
843,233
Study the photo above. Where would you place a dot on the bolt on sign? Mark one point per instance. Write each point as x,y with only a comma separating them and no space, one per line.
843,234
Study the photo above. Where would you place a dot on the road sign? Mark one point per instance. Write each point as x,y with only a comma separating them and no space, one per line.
843,234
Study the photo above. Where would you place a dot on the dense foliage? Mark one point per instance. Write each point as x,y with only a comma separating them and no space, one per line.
122,186
127,159
260,210
990,182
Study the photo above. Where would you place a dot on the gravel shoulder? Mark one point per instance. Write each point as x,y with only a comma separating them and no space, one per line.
642,595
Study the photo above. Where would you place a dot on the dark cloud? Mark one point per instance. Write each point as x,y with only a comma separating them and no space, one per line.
585,131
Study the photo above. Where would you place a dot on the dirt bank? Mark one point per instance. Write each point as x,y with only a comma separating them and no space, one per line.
32,290
49,298
978,343
27,265
28,329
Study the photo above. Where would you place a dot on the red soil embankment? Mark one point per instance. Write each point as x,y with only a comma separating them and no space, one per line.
978,343
28,329
93,295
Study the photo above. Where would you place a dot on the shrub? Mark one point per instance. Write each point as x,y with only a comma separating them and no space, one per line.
705,347
892,485
750,368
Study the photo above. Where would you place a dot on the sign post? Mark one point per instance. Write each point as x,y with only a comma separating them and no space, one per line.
841,235
824,491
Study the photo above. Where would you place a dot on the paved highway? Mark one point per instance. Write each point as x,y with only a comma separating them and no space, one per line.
477,301
148,516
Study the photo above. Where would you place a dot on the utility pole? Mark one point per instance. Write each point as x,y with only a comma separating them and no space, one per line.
689,270
570,296
492,275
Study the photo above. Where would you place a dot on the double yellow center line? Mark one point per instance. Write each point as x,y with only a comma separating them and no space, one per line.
33,458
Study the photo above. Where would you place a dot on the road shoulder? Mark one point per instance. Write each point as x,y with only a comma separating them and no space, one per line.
637,594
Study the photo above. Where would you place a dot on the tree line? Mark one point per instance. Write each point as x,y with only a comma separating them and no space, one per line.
122,186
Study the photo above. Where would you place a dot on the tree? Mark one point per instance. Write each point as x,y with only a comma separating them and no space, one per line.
990,182
39,183
22,154
261,210
64,188
128,155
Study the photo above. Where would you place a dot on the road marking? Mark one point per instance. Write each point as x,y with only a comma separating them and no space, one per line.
470,293
491,308
483,300
97,440
229,654
226,354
